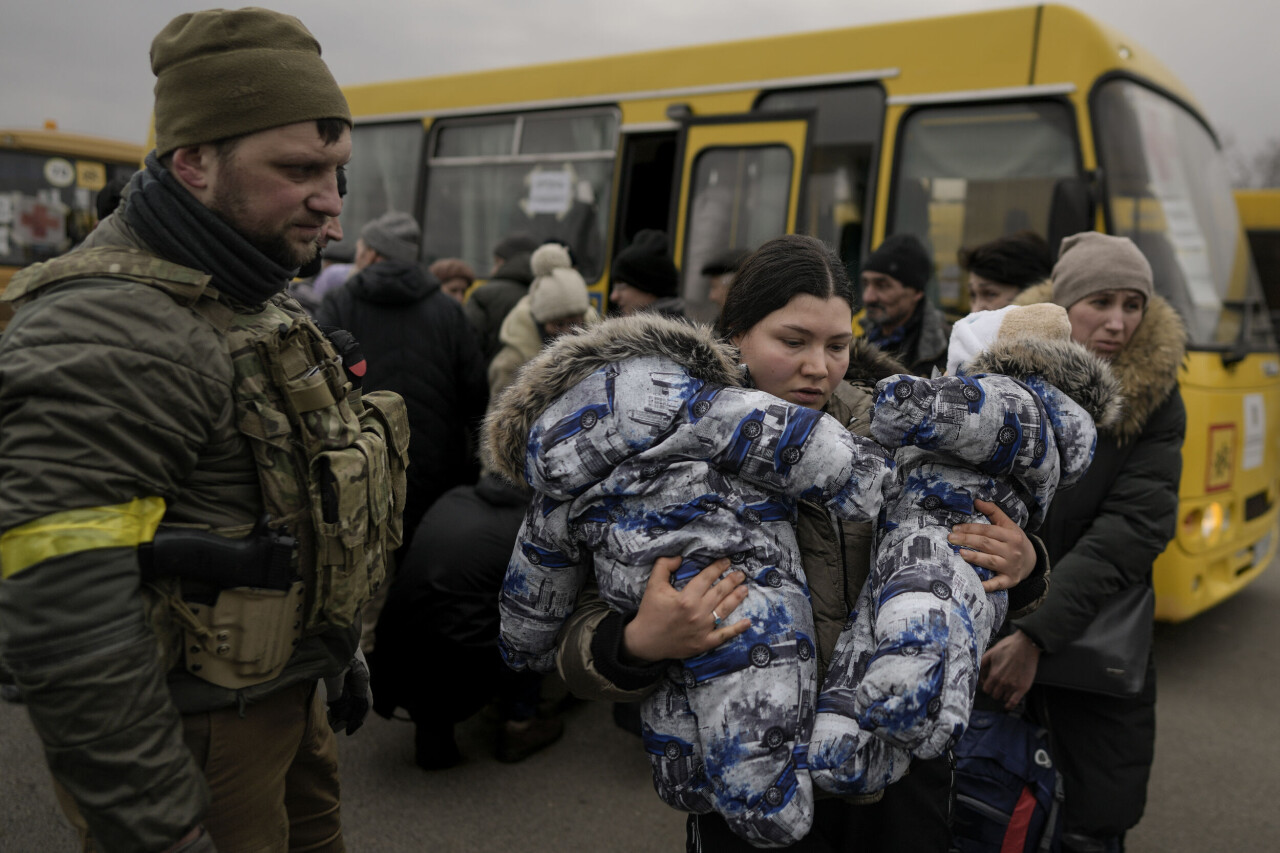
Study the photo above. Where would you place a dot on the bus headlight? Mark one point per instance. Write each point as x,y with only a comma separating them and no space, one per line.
1204,526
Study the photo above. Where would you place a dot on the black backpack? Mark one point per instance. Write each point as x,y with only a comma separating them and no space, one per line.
1008,791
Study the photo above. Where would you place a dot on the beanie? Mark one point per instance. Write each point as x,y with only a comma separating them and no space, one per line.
557,290
902,257
514,244
646,265
1089,262
447,269
727,261
394,235
221,74
975,334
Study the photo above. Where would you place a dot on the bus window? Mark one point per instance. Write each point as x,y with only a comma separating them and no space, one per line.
47,203
548,175
739,197
1169,192
968,174
1260,216
381,175
845,139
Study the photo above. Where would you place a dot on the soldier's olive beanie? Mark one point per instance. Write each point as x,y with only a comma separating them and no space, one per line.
902,257
394,235
646,265
223,73
1089,262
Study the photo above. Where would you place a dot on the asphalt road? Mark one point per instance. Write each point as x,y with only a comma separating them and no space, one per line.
1215,785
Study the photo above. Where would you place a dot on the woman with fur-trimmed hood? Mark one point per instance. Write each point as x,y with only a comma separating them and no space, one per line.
1104,535
641,443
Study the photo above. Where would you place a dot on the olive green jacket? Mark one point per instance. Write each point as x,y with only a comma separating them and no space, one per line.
113,390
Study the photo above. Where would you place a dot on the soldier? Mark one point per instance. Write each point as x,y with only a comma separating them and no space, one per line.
194,501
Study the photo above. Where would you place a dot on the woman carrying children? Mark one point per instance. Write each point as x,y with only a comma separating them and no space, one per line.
1103,537
790,314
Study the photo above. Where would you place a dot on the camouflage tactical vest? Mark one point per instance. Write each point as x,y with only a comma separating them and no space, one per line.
331,466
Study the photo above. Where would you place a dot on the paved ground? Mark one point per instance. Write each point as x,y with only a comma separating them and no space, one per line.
1215,785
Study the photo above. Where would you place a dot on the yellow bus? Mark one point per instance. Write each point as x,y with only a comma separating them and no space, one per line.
1260,216
957,129
49,182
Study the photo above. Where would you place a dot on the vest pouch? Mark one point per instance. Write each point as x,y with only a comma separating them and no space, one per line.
246,638
354,504
315,387
385,414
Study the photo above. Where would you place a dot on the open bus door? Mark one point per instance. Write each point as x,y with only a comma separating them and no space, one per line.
740,183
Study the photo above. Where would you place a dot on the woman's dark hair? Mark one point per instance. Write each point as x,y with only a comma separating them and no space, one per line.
774,273
1021,259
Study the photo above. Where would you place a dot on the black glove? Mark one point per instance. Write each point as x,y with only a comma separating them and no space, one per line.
352,355
349,696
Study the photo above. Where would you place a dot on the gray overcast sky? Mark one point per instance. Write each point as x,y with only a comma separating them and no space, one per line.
84,64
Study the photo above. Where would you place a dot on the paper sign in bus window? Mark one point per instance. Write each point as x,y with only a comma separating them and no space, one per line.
550,191
1255,431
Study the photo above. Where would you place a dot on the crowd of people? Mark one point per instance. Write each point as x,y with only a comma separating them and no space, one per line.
286,475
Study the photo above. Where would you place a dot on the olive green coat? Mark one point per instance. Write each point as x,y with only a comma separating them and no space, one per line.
111,390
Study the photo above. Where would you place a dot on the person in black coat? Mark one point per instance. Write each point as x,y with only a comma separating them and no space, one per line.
437,638
1103,536
490,303
417,343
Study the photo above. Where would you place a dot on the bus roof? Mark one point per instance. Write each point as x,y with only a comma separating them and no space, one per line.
72,145
1259,208
913,59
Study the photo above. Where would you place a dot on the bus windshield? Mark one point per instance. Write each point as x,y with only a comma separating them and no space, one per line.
1168,190
47,203
970,173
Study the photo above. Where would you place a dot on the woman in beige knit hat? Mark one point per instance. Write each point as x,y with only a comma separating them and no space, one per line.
557,303
1103,536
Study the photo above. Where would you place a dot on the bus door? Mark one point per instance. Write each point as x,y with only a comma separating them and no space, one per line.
740,182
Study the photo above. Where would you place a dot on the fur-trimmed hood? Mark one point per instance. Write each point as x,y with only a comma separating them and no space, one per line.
868,364
1066,365
574,357
1147,369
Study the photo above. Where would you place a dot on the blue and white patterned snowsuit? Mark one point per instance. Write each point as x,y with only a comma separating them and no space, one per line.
641,460
906,666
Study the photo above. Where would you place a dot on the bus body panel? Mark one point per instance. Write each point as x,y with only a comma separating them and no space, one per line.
74,168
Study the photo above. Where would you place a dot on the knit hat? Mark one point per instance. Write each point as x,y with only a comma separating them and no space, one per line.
975,333
727,261
394,235
514,244
447,269
646,265
557,290
903,257
223,73
1089,262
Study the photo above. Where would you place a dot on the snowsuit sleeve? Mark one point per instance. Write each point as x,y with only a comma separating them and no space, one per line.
544,577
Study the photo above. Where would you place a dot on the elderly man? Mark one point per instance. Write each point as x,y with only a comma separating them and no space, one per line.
899,317
194,503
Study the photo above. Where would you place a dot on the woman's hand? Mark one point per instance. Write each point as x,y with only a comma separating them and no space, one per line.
1009,668
682,623
1000,546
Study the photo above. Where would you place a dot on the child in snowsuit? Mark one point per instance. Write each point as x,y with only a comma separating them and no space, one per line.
640,443
1013,424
